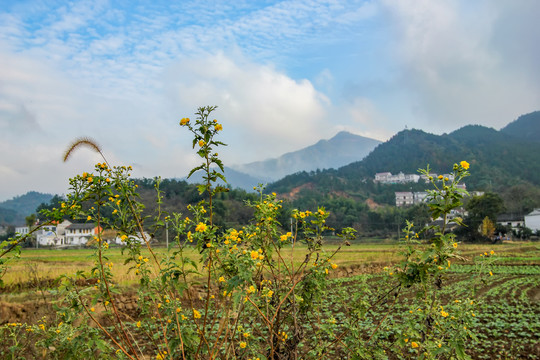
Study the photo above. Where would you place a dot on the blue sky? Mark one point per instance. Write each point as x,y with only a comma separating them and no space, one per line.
284,74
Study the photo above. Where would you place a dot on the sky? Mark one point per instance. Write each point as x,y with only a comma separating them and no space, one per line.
284,74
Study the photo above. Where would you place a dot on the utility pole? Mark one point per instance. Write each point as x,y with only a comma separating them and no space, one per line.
167,234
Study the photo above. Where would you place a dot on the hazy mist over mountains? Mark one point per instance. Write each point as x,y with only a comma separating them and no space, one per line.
338,151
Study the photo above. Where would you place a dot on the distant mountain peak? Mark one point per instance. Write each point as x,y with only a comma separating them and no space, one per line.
342,149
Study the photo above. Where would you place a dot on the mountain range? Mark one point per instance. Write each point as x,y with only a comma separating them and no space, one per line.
15,210
498,158
340,150
344,148
501,160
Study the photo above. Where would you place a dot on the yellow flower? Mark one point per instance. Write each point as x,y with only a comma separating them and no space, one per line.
414,345
184,121
243,344
92,309
492,252
490,273
444,313
196,314
201,227
251,289
221,279
440,177
89,218
246,335
334,266
218,127
178,310
189,236
89,179
464,165
254,255
138,324
201,143
454,245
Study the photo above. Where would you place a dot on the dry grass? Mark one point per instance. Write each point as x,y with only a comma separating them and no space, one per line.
43,264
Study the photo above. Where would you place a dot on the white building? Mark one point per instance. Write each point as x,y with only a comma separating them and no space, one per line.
404,198
22,230
514,222
383,177
54,235
532,220
79,234
47,235
407,198
401,178
133,238
420,197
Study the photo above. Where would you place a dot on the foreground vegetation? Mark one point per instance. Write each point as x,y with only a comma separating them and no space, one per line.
255,292
506,309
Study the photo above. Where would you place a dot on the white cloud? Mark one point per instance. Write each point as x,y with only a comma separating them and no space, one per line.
453,66
264,112
367,120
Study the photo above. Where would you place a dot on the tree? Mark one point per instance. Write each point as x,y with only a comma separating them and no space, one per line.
489,204
488,228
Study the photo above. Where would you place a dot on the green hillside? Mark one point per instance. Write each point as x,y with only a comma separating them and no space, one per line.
526,127
16,209
497,160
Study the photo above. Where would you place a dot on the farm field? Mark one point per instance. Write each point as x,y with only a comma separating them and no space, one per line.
506,306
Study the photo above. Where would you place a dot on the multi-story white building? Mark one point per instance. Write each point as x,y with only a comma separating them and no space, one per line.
388,178
404,198
80,234
407,198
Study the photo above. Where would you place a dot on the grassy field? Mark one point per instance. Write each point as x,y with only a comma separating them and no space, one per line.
507,321
38,265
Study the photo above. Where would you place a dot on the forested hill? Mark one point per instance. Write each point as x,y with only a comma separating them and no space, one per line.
14,211
526,127
497,160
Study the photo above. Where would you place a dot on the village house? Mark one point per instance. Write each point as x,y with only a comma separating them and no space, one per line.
80,234
532,220
22,230
133,238
512,221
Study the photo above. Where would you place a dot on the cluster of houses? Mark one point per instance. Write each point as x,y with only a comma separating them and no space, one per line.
401,178
408,198
531,220
67,234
